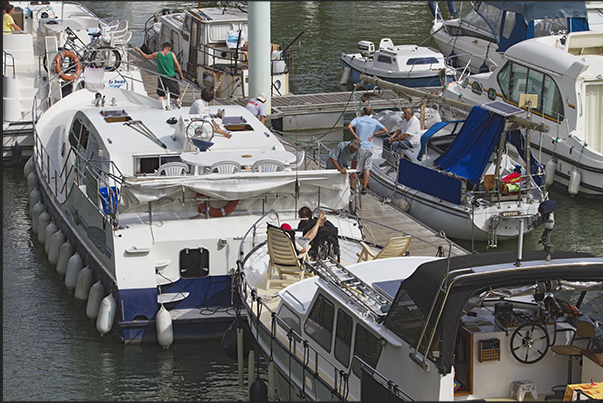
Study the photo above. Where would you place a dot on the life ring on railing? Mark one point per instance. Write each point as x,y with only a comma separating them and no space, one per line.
213,211
58,61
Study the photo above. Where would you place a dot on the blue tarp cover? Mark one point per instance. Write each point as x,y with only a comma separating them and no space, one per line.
468,154
436,127
430,181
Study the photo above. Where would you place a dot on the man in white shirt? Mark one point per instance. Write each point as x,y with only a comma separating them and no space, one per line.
201,105
257,107
408,134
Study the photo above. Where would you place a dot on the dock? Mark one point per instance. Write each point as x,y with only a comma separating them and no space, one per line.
426,242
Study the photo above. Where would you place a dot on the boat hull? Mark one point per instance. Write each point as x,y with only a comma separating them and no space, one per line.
431,79
212,296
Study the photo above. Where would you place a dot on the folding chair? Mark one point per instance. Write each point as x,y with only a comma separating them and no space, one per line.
396,247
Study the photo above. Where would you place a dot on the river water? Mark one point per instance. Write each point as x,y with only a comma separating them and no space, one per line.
53,352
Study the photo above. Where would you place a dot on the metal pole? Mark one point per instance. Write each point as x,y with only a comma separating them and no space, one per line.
240,358
260,79
520,243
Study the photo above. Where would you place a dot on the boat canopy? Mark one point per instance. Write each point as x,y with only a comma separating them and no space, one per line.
469,152
514,21
454,285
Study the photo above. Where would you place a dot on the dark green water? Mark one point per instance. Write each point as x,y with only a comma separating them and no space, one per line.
53,352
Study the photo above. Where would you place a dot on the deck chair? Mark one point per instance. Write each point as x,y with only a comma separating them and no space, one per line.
283,255
396,247
122,40
172,169
267,166
225,167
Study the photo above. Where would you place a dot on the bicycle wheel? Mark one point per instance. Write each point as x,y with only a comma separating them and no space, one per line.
105,56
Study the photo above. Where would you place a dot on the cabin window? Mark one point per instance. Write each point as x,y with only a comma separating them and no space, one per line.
384,59
175,42
186,25
290,318
218,32
509,24
149,164
476,87
422,60
319,325
515,80
594,120
550,26
552,104
404,318
456,31
343,337
367,347
75,133
194,263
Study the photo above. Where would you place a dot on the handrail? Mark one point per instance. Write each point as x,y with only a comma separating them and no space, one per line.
6,54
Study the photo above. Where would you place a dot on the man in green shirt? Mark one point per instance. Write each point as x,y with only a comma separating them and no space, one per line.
167,64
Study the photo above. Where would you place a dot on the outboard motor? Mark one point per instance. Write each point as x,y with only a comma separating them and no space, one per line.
366,48
546,209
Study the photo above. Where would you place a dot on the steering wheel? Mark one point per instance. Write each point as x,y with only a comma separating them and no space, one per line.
529,343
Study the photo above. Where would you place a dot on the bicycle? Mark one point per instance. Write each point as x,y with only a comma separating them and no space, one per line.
95,54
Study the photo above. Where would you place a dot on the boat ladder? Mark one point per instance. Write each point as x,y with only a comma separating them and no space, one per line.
365,296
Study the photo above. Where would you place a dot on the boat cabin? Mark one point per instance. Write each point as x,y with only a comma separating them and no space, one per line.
211,45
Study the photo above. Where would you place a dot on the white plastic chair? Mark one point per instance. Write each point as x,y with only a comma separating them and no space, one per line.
267,166
225,167
173,169
122,40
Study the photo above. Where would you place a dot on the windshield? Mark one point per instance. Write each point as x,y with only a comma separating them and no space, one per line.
485,17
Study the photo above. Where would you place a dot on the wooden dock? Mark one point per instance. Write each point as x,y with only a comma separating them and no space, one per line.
426,241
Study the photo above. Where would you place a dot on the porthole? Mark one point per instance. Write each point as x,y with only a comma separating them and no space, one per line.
492,94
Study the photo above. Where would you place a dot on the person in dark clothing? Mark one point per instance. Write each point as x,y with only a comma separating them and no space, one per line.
325,242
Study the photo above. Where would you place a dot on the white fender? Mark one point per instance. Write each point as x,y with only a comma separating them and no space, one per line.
32,182
574,182
549,170
83,283
56,241
34,197
35,215
74,265
106,314
165,333
51,228
43,221
97,291
65,252
29,167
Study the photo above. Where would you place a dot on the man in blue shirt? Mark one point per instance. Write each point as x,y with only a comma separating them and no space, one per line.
364,128
346,153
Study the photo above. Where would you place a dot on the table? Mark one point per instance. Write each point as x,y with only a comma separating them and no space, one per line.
245,158
592,390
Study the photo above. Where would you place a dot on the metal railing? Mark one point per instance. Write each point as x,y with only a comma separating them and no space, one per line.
327,380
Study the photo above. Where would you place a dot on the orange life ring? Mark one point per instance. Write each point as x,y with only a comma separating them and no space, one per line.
216,212
57,65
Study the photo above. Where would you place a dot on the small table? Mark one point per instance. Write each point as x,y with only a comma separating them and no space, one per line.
245,158
593,390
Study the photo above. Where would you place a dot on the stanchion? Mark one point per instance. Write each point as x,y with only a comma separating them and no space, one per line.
240,354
